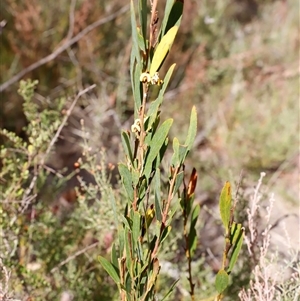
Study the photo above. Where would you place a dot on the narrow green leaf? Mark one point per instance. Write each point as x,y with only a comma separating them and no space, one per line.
135,60
140,253
110,269
128,249
238,242
141,41
193,234
234,232
195,212
132,67
157,191
166,81
136,228
183,151
126,221
222,281
143,12
142,189
175,15
175,157
192,129
114,257
126,179
170,290
135,177
137,90
134,34
161,153
165,234
128,280
127,145
155,145
168,8
178,181
225,205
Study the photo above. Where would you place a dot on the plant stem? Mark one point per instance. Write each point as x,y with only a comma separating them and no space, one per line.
165,213
188,256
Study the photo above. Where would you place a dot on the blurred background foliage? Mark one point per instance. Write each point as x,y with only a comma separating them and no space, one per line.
237,61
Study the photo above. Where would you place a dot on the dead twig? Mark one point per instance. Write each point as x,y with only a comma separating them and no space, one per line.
74,256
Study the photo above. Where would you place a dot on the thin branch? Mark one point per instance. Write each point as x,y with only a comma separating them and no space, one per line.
74,256
62,48
166,211
71,19
153,23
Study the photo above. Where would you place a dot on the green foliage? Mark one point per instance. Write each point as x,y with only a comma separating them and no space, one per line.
37,244
238,77
135,267
234,234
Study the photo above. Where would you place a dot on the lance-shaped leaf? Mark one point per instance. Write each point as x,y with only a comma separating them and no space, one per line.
135,61
165,234
127,180
192,130
126,145
136,228
129,251
178,181
179,152
135,42
168,8
172,15
170,290
143,12
237,242
193,234
157,191
222,281
155,145
162,50
161,154
113,256
175,15
225,205
137,90
110,269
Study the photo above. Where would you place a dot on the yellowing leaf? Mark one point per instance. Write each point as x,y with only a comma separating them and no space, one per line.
225,205
163,49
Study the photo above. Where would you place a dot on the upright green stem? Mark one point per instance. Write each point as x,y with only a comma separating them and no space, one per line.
188,256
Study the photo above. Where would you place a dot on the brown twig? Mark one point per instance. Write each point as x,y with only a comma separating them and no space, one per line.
74,256
153,24
166,211
62,48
